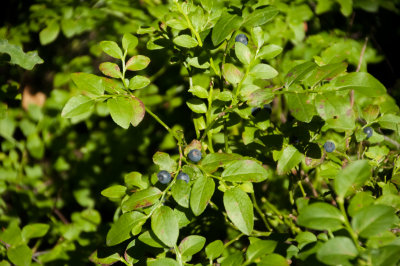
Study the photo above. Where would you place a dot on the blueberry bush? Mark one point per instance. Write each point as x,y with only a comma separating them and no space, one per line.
199,133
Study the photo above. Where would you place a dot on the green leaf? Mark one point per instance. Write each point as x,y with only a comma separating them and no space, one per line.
50,33
321,216
390,121
361,82
352,177
25,60
243,53
77,105
138,111
114,192
197,105
138,82
244,170
129,41
260,248
214,249
111,48
199,91
326,72
335,110
135,179
92,84
120,230
233,259
273,260
150,239
190,245
269,51
121,111
125,111
110,69
226,24
12,235
392,200
299,72
305,238
239,209
164,161
263,71
231,73
337,251
137,62
373,220
186,41
289,159
388,255
360,200
181,193
260,16
20,255
163,262
301,105
213,161
202,191
260,97
141,199
165,225
34,230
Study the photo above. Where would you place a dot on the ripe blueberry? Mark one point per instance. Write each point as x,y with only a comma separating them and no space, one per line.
256,110
164,177
183,176
242,38
195,155
368,131
329,146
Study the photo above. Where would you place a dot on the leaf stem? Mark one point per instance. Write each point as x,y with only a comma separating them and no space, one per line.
353,235
192,29
163,124
233,240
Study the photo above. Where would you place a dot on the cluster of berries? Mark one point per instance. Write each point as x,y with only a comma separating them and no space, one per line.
165,177
329,146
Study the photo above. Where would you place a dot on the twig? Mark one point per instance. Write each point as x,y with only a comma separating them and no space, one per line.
392,141
362,54
60,215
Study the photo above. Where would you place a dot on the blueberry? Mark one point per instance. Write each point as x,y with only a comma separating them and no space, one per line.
368,131
195,155
329,146
164,177
183,176
242,38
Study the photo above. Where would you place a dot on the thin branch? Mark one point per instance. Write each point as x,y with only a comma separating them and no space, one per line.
362,54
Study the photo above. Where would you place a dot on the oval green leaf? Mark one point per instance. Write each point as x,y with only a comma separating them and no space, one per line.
202,191
141,199
352,177
137,62
185,41
239,209
120,230
165,225
110,69
244,170
111,48
321,216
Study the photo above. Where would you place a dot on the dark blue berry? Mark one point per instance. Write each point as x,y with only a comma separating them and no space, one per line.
242,38
183,176
368,131
194,155
329,146
164,177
